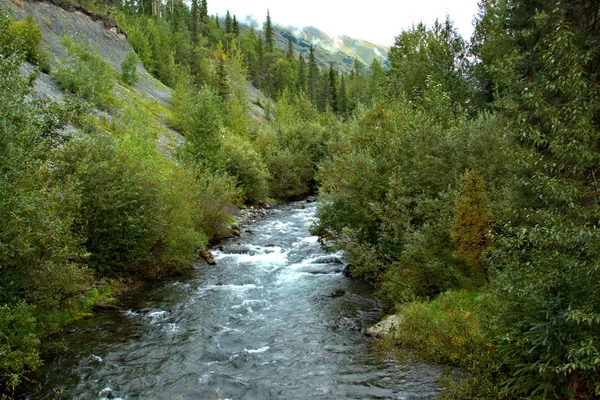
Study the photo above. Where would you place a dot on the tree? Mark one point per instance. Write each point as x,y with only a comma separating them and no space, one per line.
195,21
228,23
342,97
222,85
333,90
302,79
437,54
290,47
269,34
236,27
313,75
549,323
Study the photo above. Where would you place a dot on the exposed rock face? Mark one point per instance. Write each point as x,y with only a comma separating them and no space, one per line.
386,327
55,22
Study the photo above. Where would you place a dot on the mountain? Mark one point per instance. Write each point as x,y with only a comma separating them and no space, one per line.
339,51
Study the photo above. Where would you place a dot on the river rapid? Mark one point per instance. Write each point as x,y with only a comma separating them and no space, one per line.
261,324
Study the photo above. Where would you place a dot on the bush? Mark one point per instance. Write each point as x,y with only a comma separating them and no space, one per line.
19,344
85,73
129,69
452,329
43,284
25,37
216,194
244,163
121,212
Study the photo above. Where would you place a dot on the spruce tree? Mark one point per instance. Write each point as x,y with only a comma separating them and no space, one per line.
222,85
342,97
301,74
236,27
313,74
290,50
203,11
194,27
260,65
333,91
228,23
269,40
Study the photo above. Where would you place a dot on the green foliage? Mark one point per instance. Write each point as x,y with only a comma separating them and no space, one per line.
129,69
85,73
245,164
120,212
43,284
547,259
199,117
293,146
472,221
438,54
389,197
26,37
452,329
216,193
19,344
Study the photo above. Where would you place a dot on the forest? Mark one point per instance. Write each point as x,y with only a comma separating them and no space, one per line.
460,179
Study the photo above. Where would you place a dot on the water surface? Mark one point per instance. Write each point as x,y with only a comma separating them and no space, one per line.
260,324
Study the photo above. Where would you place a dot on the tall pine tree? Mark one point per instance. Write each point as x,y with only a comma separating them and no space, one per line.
269,34
301,74
290,49
313,75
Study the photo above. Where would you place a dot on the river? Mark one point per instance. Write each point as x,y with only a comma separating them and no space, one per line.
260,324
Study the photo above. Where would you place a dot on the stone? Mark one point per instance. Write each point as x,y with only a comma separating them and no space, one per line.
386,327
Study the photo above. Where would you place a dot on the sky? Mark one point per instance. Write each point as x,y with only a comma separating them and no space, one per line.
379,21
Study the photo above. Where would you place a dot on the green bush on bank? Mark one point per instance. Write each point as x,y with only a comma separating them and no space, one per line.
454,329
25,37
43,281
85,74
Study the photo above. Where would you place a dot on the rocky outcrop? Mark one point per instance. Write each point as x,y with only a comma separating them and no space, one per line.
388,326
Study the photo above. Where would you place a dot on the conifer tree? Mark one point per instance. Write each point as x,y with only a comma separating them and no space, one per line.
269,40
222,86
203,11
342,97
333,94
194,27
290,49
313,74
228,23
260,65
236,27
301,74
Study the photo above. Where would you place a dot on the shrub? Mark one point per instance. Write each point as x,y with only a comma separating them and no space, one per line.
244,163
129,69
452,329
26,36
85,73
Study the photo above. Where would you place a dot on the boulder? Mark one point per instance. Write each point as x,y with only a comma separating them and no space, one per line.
386,327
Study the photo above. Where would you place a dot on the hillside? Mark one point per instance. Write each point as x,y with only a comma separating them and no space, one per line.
337,51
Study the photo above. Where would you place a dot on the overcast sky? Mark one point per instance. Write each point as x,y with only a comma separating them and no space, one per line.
375,20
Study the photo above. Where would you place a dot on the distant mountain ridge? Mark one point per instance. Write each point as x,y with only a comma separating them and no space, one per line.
337,51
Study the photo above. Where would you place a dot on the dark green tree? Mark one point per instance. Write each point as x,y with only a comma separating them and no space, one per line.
302,78
222,84
313,75
236,27
333,89
195,22
342,97
290,47
228,23
269,34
